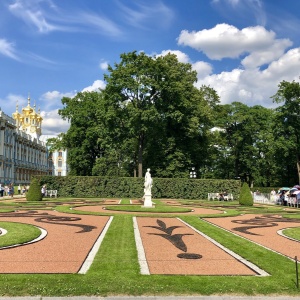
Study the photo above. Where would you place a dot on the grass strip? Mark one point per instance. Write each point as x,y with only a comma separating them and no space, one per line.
18,233
156,209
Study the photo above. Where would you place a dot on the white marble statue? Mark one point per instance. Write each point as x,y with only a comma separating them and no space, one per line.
148,183
147,190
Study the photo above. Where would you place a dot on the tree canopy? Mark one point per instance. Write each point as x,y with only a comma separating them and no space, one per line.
151,115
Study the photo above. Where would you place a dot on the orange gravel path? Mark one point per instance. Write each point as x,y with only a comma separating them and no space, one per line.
63,250
263,229
164,257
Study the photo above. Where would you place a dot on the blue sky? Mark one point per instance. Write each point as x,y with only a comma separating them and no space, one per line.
53,48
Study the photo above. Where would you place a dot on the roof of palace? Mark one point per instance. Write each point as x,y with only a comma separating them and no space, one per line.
28,119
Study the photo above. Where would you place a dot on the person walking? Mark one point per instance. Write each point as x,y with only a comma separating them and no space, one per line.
1,190
19,189
11,190
43,191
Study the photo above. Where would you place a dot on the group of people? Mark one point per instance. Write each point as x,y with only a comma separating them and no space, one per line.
287,197
223,196
9,190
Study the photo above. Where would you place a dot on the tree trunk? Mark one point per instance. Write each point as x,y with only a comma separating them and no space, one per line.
140,156
298,168
298,159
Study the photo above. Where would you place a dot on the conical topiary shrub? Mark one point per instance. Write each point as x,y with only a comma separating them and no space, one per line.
34,192
245,195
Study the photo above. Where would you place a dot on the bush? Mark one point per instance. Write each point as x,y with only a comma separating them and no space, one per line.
245,195
133,187
34,192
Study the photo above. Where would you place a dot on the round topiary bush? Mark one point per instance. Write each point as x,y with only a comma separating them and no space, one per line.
245,195
34,192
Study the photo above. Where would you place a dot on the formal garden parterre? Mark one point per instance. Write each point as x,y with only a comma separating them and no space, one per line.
188,252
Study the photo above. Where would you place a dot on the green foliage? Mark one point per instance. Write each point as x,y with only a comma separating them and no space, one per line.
287,130
34,192
149,110
83,139
151,114
133,187
246,198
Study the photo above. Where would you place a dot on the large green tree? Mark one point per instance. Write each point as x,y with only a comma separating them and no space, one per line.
244,145
287,129
82,140
162,118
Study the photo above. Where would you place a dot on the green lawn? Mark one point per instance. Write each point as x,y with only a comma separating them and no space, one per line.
293,233
18,233
115,270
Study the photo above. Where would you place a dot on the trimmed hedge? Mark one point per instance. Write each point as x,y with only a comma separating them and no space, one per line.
246,198
133,187
34,192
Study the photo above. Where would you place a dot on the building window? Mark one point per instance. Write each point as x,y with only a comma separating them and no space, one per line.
59,174
59,163
60,153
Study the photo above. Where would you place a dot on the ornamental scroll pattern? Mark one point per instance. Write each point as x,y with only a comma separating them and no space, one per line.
175,239
44,217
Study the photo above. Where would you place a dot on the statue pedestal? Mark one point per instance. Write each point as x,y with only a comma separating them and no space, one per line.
148,201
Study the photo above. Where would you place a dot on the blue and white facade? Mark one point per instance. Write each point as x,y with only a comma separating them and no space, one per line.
21,154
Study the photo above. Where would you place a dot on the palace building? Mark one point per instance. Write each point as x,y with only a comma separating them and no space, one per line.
22,151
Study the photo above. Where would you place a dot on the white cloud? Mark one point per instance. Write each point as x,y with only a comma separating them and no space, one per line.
224,83
10,103
47,17
143,14
267,55
52,123
7,49
51,103
264,62
202,68
102,24
242,9
228,41
97,84
52,99
55,95
255,86
32,13
182,57
103,65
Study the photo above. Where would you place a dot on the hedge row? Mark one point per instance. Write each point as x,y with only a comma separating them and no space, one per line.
133,187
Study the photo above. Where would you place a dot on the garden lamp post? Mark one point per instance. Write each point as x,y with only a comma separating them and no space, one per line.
193,173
